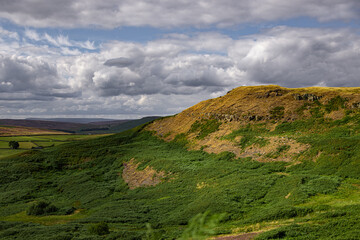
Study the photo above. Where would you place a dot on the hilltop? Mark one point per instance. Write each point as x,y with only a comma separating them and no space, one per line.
213,125
262,162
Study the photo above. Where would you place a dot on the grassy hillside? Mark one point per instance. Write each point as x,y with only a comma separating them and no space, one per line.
277,178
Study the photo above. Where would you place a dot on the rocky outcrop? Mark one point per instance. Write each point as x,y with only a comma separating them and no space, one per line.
230,117
355,105
272,93
307,96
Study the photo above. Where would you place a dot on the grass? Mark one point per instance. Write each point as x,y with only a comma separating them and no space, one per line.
45,220
317,198
10,152
29,142
86,174
205,127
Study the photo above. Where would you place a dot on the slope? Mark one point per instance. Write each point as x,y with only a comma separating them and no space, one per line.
143,187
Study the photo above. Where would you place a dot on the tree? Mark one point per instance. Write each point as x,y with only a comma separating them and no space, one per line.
14,145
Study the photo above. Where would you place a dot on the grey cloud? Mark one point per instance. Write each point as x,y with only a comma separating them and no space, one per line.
112,13
290,57
301,57
119,62
167,75
33,76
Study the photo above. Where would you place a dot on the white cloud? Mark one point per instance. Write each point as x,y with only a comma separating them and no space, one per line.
166,75
58,41
168,13
9,34
32,34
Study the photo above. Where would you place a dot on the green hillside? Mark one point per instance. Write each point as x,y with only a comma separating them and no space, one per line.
280,179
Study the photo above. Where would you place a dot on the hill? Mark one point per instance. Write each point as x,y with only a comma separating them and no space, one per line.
78,126
238,122
18,131
75,120
289,171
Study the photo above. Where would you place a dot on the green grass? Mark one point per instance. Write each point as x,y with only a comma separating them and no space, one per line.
296,202
4,144
44,220
29,142
10,152
205,127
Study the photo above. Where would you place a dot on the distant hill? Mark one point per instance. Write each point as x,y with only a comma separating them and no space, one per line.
75,120
112,126
17,131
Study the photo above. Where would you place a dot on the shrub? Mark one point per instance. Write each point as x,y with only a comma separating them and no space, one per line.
41,208
100,228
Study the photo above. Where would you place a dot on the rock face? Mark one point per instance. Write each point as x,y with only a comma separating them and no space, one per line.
307,96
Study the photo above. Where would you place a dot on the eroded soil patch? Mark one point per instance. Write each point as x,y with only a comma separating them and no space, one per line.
141,178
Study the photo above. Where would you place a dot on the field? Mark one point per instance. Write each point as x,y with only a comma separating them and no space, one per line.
38,141
17,130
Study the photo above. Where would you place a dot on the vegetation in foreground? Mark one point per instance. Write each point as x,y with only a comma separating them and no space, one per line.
84,191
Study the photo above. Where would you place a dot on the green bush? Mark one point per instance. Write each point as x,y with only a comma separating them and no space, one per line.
41,208
323,185
100,228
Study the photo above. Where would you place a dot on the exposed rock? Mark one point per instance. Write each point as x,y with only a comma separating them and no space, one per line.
355,105
307,96
272,93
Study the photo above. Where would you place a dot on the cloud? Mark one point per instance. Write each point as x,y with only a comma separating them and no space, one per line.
166,75
188,65
32,76
58,41
201,13
300,57
8,34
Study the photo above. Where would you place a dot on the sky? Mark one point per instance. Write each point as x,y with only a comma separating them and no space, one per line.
128,59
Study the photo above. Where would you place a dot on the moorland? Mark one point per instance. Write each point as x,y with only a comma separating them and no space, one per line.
261,162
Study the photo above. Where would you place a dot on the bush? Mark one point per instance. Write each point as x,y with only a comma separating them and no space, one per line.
41,208
100,228
14,145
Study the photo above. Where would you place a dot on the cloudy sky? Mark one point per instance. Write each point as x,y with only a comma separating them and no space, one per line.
127,59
